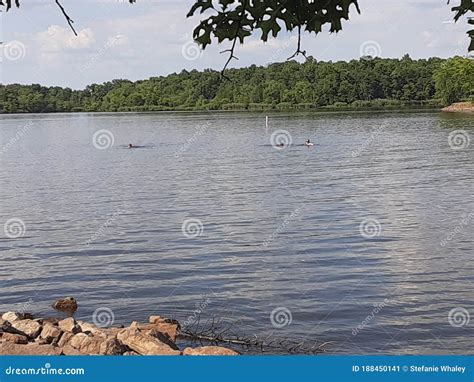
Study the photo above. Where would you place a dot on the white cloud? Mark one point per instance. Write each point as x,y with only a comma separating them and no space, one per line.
56,39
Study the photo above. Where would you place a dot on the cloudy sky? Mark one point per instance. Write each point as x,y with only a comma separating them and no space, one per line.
153,37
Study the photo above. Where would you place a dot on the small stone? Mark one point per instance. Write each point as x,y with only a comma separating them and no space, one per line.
209,350
68,305
15,338
159,320
29,328
69,325
28,349
144,344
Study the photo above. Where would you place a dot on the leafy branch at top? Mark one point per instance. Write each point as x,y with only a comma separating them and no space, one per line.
464,7
236,20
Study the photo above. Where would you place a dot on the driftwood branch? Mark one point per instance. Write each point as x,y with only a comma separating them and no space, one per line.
215,332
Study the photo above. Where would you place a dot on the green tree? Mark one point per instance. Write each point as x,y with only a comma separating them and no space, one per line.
455,80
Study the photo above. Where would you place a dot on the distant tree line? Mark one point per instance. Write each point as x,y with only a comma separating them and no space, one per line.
363,83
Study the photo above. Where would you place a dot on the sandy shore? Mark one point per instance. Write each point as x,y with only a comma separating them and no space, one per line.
460,107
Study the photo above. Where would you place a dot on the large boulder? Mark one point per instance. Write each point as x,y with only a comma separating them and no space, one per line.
9,348
163,325
144,344
50,333
91,329
112,346
14,338
69,350
28,328
13,316
86,344
69,325
65,338
209,350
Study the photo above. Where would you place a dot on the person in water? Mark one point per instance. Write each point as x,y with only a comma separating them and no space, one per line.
130,146
308,142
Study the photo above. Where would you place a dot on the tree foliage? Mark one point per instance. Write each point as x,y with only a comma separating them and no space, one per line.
455,80
381,83
235,20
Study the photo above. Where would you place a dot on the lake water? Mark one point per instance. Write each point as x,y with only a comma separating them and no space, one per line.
364,240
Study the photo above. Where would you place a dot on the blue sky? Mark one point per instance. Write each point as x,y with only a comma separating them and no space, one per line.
154,37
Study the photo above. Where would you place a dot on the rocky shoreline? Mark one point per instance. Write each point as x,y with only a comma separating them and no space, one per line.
460,107
23,334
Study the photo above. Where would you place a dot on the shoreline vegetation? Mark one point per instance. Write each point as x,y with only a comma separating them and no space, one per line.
358,85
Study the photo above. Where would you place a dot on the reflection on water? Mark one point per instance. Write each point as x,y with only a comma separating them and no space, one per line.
364,239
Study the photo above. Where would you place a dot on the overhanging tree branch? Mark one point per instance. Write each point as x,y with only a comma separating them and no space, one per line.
68,19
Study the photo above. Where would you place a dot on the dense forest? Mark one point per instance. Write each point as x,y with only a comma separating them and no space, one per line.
363,83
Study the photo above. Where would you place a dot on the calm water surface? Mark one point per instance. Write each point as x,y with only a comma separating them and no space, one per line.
280,228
